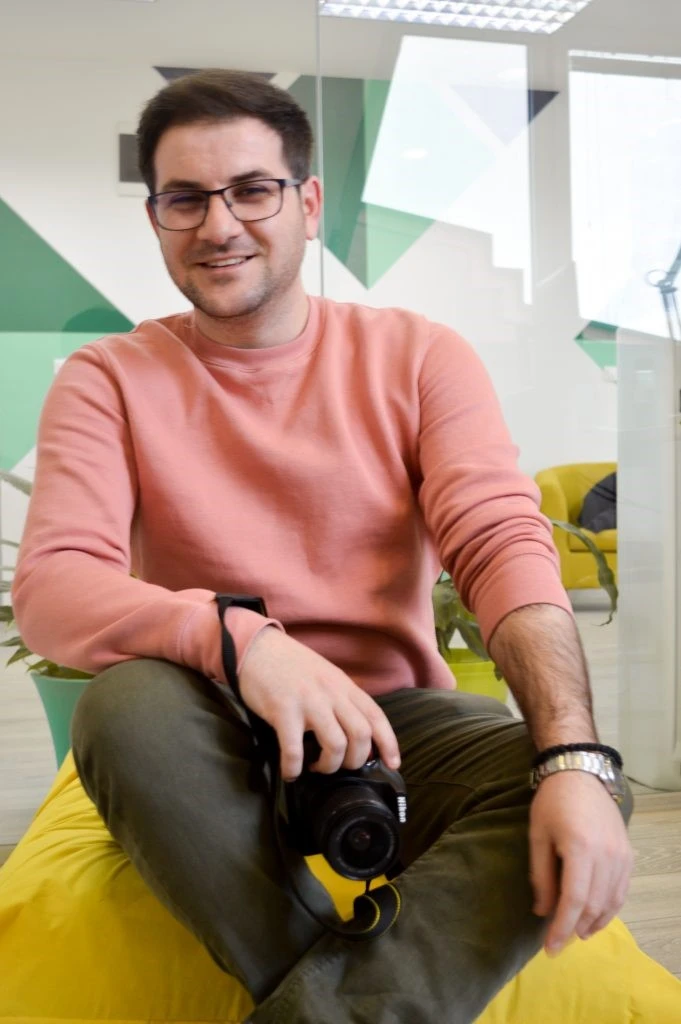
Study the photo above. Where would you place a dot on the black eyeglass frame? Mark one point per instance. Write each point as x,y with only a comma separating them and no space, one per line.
207,193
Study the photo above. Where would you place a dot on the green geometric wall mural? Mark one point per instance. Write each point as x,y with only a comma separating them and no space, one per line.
47,310
27,360
39,290
599,341
367,239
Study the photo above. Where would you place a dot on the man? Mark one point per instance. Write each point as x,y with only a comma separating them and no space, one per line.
328,458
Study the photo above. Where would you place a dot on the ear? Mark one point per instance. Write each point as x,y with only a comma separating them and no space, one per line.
311,196
152,218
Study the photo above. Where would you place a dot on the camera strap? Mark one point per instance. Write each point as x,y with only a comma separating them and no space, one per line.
375,910
264,737
225,601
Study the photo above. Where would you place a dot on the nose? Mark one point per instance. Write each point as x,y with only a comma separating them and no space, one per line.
220,223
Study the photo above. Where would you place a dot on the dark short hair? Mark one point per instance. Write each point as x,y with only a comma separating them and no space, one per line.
220,95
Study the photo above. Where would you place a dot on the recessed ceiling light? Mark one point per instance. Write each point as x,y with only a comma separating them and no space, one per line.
643,58
544,16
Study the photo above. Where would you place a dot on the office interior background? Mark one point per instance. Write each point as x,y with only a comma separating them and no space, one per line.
522,187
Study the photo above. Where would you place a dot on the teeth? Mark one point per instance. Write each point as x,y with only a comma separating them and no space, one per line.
228,263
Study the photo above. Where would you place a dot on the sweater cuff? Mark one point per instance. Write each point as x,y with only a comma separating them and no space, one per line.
200,644
519,582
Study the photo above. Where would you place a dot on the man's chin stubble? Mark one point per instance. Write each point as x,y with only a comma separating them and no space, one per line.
217,311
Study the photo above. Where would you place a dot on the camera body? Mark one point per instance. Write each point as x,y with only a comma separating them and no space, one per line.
352,816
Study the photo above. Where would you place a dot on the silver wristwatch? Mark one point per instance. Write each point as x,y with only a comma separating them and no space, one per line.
584,761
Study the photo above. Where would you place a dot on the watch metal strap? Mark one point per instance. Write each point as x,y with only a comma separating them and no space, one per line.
597,764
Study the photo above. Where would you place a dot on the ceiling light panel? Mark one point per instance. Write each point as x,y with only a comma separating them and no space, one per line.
543,16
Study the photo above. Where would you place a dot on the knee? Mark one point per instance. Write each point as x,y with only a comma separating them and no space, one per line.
480,704
117,703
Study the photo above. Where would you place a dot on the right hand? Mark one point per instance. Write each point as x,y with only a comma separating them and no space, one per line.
294,689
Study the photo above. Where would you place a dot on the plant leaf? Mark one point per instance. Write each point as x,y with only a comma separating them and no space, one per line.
44,667
470,632
18,656
25,486
6,613
9,543
14,641
606,577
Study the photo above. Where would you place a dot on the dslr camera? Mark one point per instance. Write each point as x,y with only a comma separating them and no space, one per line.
352,817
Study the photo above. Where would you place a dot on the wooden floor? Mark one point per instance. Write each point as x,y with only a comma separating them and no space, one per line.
652,910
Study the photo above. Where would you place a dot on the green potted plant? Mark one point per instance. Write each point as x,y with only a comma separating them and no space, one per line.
468,658
58,686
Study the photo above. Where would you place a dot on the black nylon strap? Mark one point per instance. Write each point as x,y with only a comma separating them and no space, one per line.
375,911
588,748
225,601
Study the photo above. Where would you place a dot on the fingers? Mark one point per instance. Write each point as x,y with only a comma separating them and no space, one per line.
575,886
347,732
592,892
331,738
382,734
620,888
289,730
544,868
599,902
293,689
345,735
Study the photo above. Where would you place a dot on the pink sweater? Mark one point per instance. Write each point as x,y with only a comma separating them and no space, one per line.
332,475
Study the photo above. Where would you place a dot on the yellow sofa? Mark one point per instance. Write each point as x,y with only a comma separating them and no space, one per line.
563,489
82,940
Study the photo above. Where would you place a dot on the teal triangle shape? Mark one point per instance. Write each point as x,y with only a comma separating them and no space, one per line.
47,310
367,239
28,362
598,341
41,291
389,233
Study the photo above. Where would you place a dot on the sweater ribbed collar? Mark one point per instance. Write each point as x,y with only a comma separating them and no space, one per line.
254,359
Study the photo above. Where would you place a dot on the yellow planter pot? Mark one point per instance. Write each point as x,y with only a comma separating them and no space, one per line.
473,675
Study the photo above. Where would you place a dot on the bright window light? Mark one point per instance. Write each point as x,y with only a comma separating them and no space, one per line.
544,16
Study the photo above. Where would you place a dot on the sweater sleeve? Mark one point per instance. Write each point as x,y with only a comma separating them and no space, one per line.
74,599
481,509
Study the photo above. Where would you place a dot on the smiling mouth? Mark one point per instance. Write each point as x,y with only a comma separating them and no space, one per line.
233,261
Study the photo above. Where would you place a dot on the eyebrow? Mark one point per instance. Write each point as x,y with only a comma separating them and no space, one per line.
176,184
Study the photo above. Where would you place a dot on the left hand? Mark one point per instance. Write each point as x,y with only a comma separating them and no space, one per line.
580,856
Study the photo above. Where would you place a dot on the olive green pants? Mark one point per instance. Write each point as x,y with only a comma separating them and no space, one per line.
167,759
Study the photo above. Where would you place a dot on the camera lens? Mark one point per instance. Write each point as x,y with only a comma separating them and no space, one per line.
359,839
357,832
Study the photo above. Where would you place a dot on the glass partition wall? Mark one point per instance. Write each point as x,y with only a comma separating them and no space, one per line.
507,182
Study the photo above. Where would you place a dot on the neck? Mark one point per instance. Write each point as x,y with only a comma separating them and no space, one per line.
263,328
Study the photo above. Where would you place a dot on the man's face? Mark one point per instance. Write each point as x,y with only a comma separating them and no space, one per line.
210,155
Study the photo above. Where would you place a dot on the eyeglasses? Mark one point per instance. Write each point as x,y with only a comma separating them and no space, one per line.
184,209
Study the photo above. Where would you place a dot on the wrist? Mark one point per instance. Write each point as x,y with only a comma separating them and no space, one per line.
589,762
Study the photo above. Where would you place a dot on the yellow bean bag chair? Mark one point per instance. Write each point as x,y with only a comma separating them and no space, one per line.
563,490
82,940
